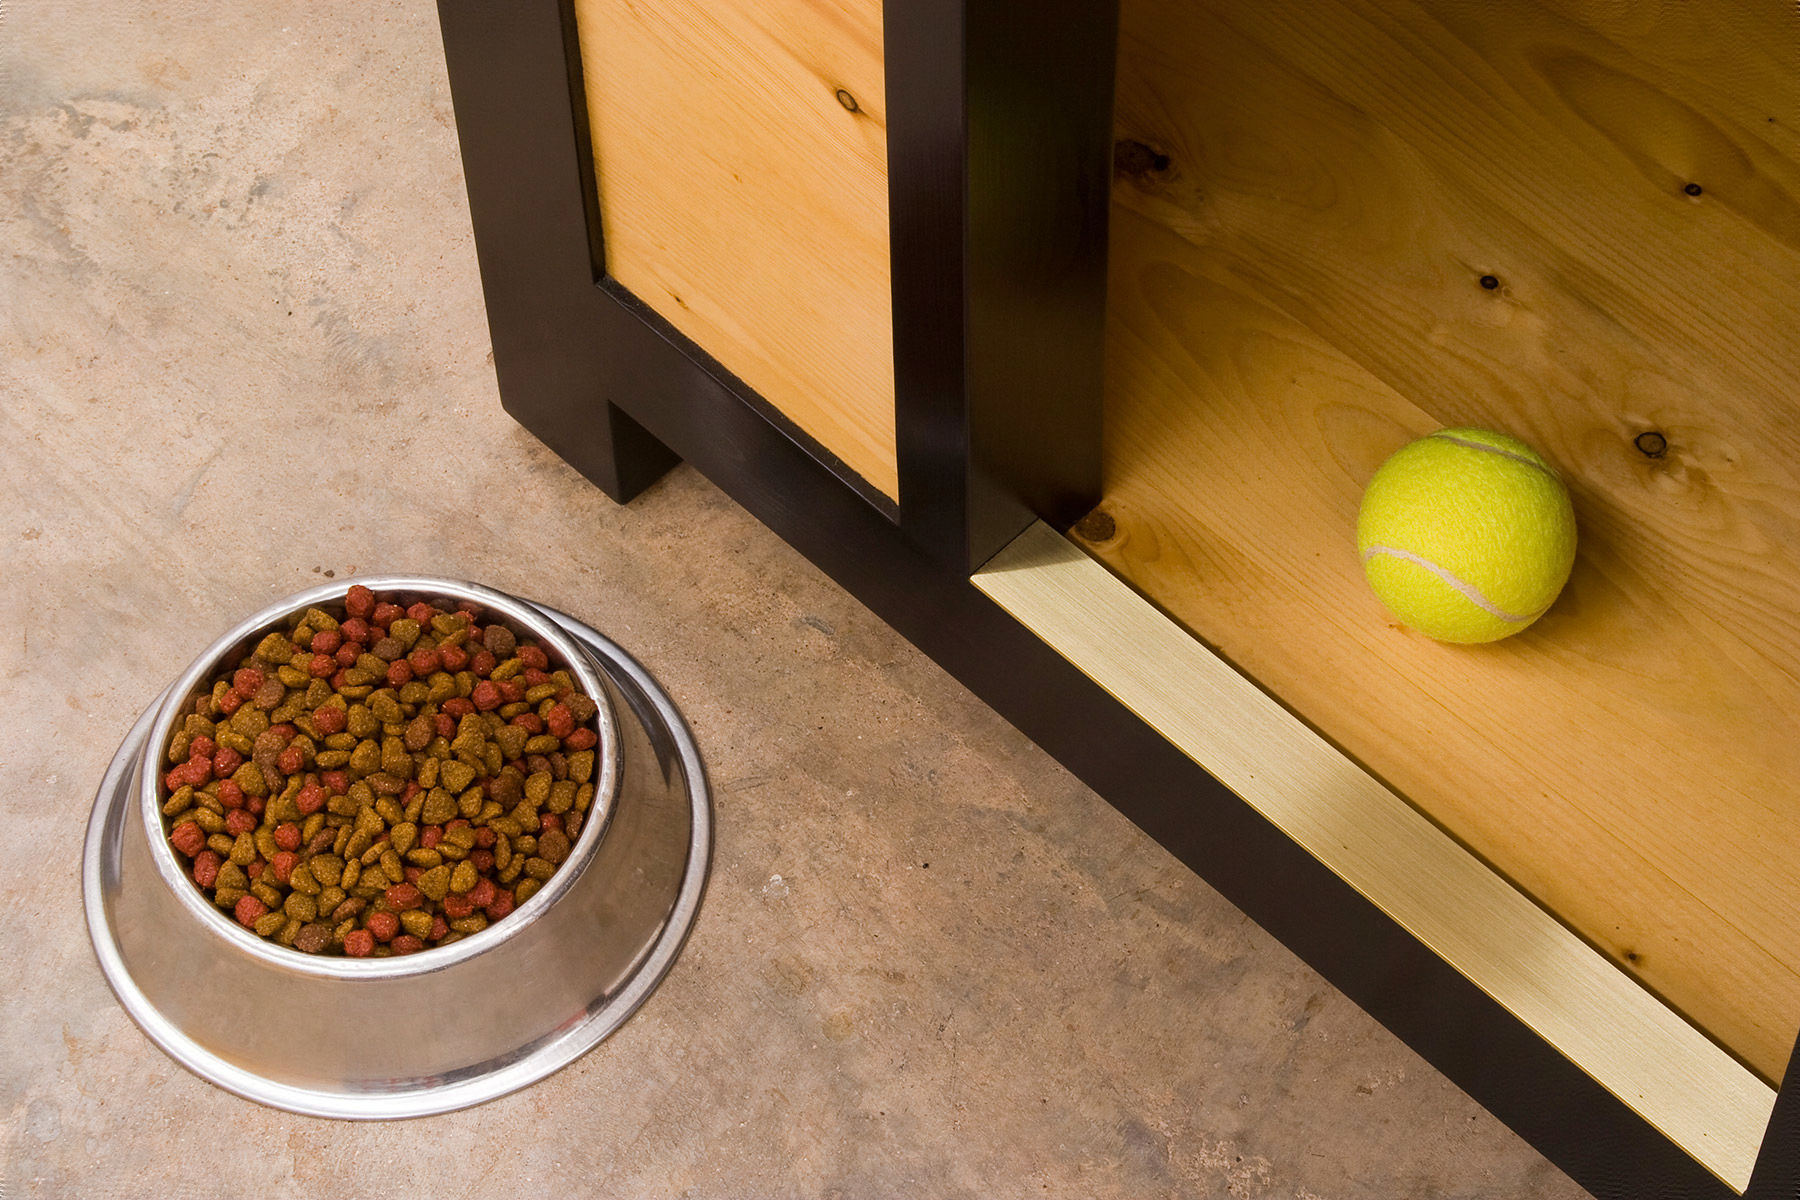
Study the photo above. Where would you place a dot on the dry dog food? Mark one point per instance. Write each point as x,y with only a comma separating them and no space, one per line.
380,782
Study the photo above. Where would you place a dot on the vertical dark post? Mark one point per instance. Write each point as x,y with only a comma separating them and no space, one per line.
999,165
532,197
1777,1173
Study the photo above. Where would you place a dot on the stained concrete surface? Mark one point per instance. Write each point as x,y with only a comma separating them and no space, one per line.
242,349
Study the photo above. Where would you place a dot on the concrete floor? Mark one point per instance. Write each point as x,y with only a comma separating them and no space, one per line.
242,348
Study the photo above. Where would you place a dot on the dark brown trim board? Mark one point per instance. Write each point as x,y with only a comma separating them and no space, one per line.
618,393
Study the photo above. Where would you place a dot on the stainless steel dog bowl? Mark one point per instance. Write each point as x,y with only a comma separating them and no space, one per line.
447,1027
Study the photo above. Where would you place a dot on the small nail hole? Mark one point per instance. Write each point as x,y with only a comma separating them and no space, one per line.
1490,282
1651,444
1693,189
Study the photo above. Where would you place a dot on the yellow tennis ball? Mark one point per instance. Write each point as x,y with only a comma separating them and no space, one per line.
1467,535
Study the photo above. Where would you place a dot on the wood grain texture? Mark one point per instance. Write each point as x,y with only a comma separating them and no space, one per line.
1300,234
743,200
1580,1003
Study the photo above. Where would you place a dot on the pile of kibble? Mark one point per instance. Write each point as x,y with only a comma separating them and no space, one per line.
394,780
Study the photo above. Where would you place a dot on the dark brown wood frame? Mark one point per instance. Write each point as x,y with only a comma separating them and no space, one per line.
997,346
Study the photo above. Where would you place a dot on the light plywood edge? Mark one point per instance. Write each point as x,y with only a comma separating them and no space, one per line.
1577,1001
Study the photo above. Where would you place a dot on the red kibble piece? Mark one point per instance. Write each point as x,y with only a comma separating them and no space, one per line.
534,677
310,799
238,821
456,823
254,805
431,835
440,928
384,925
283,865
406,943
422,612
483,859
386,614
511,690
330,720
412,874
230,702
582,739
500,905
206,867
289,761
486,696
255,870
323,666
354,629
530,721
424,660
336,782
407,793
399,673
340,681
483,661
346,657
457,707
287,835
198,771
453,658
326,641
485,837
359,601
226,761
359,943
202,747
532,655
403,896
188,838
446,725
175,778
245,681
231,795
560,721
249,910
457,907
548,822
483,892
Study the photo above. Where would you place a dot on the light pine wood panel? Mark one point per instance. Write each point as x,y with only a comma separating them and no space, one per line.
746,202
1296,293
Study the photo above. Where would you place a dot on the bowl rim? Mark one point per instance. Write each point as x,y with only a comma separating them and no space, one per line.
515,612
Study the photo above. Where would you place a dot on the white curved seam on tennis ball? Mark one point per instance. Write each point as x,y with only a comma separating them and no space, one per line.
1501,451
1467,589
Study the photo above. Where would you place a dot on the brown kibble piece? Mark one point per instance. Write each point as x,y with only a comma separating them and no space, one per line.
419,732
435,883
553,845
499,640
440,806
